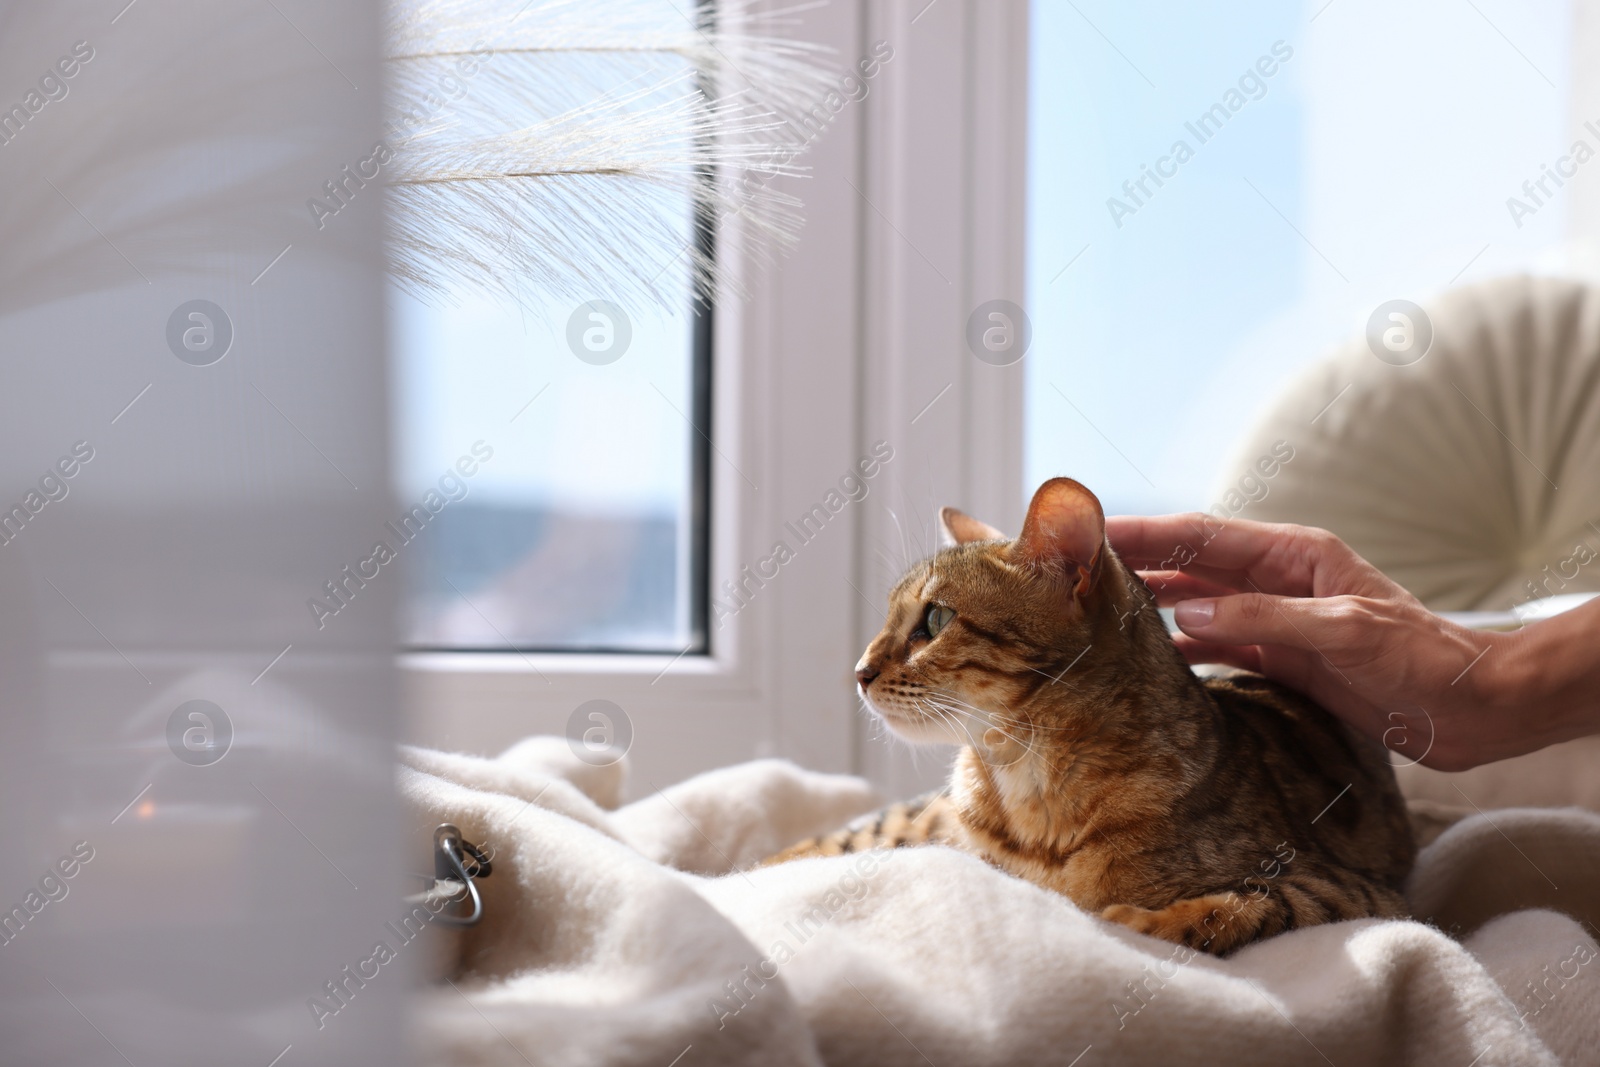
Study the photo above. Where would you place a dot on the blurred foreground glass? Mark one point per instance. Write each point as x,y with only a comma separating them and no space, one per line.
196,767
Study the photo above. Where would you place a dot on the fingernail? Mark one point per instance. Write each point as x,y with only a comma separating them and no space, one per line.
1194,614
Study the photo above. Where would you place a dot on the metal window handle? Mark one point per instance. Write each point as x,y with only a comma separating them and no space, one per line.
456,859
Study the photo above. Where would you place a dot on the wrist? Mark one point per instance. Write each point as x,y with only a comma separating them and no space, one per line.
1493,710
1507,684
1541,681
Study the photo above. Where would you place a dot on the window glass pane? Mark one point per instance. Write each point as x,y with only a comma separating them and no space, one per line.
577,528
1373,162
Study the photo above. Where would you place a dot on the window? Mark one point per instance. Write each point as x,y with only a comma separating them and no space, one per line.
912,219
1339,155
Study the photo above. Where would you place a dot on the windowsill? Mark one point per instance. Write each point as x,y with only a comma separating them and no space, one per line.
649,665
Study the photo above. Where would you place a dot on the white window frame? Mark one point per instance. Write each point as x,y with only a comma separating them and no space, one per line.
861,330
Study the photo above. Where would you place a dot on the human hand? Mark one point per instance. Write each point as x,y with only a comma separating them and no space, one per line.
1299,606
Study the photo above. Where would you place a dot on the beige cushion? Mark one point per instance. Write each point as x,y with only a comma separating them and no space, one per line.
1471,477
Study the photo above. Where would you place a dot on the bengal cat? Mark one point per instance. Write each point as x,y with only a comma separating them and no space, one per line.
1205,811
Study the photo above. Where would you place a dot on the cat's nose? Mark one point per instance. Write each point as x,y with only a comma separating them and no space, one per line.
865,673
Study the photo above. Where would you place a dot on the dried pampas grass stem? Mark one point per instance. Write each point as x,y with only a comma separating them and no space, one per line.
557,148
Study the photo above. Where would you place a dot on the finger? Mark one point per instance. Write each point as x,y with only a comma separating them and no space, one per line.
1245,657
1170,587
1339,627
1226,581
1151,539
1278,558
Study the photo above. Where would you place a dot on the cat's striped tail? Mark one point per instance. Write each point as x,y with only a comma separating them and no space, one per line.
928,819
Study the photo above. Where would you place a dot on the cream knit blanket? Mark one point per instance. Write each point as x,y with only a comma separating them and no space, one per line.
639,935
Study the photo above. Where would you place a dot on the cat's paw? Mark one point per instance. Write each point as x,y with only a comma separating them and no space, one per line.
1205,923
1136,918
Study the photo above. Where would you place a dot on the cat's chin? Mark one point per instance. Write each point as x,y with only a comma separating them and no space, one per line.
920,730
922,733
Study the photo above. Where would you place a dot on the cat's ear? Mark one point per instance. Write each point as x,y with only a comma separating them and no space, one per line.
960,528
1065,527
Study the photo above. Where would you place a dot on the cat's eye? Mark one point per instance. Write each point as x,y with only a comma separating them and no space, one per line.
937,619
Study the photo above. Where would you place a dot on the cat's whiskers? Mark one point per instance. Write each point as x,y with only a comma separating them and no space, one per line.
941,714
984,715
990,722
947,714
1001,717
945,694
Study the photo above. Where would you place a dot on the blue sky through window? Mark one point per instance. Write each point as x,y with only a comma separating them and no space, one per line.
1374,163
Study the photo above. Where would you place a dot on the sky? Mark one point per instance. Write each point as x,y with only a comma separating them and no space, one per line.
1374,165
599,440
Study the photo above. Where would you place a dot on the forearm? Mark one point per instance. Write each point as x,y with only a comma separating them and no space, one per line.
1547,677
